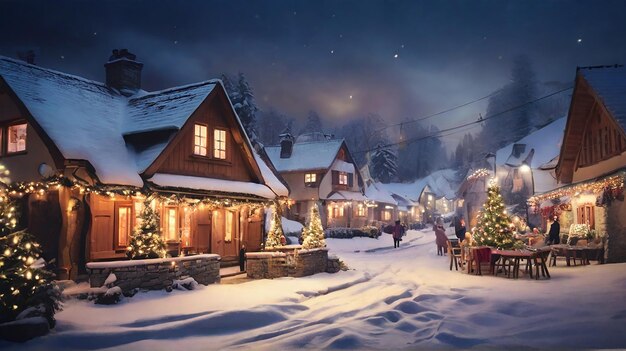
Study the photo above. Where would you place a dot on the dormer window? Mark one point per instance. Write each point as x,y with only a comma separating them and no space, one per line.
310,179
219,144
343,178
16,138
200,140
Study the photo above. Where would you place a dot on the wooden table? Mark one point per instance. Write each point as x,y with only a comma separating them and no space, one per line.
511,260
569,252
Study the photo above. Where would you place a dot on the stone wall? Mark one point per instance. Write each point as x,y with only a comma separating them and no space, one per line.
286,263
156,274
616,230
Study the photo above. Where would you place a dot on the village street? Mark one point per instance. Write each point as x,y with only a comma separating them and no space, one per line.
390,298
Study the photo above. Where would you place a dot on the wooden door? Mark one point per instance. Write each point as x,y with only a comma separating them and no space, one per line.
101,234
44,222
254,237
231,233
201,234
217,232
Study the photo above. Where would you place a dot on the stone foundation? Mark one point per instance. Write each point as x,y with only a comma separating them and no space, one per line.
156,274
286,263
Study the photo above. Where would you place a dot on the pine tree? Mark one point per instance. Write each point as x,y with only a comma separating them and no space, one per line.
313,234
146,241
494,227
384,164
313,123
242,97
275,234
26,287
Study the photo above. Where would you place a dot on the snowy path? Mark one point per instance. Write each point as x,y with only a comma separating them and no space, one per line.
394,298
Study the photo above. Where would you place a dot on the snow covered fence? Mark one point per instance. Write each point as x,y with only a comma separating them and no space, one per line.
156,274
288,263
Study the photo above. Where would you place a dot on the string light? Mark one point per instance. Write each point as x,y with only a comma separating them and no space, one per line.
615,182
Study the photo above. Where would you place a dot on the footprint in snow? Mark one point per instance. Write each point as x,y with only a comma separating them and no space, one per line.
411,307
458,341
392,299
391,316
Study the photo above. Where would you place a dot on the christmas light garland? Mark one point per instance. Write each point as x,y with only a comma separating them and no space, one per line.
479,173
612,183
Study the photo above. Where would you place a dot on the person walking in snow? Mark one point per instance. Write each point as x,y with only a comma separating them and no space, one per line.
555,232
398,230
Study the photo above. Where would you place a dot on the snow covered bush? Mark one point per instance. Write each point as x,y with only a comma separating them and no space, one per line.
348,233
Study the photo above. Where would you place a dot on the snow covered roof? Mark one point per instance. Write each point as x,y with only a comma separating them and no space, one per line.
308,155
441,183
165,109
541,147
88,120
610,85
347,195
211,184
376,192
82,117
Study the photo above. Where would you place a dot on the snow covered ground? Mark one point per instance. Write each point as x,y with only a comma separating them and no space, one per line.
390,299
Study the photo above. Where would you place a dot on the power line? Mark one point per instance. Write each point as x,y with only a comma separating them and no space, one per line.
440,112
481,120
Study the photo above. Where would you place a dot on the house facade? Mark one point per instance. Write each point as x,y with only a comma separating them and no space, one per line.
88,156
320,170
592,159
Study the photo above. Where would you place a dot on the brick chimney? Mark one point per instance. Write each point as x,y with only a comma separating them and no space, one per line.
286,145
123,72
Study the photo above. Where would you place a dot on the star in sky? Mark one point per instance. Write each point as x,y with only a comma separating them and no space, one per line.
579,40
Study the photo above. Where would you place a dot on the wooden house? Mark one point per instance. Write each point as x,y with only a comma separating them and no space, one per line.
320,170
89,154
592,159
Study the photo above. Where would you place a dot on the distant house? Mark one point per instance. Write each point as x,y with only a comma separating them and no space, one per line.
91,153
528,166
472,194
320,170
592,160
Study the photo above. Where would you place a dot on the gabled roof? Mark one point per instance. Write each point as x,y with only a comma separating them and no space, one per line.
604,85
610,85
310,155
542,146
87,120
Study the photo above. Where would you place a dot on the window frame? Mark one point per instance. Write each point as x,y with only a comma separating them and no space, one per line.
194,145
116,222
224,142
312,179
5,138
343,176
166,223
360,210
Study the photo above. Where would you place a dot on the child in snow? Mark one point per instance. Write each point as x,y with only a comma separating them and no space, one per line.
398,230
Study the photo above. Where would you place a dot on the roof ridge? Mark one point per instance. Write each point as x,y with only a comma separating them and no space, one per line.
149,94
53,71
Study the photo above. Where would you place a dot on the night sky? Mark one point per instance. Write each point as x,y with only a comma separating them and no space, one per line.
401,59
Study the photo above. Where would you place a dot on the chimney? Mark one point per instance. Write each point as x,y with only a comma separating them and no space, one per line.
286,145
123,72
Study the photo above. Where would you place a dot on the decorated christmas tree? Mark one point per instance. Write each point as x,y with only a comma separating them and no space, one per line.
494,226
26,287
146,241
313,234
275,234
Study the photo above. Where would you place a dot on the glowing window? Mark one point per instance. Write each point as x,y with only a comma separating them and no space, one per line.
171,223
219,144
343,178
228,233
360,210
200,140
310,178
16,139
386,215
124,225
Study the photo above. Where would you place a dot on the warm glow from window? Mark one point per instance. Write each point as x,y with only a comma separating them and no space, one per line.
360,210
124,225
386,215
200,140
219,144
343,178
228,233
310,178
337,211
16,138
171,223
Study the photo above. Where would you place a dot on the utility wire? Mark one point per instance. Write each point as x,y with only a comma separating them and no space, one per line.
481,120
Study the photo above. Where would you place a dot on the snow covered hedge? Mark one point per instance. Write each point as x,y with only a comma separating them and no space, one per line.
348,233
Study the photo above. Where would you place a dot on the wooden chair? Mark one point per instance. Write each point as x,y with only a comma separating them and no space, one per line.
454,252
